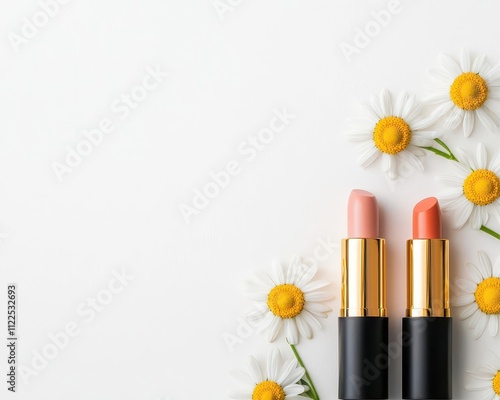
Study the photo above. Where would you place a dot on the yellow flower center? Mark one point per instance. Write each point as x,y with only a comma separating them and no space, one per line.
487,296
392,135
268,390
469,91
496,383
482,187
285,301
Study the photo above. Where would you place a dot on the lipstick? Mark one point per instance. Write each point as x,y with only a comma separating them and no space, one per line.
427,325
363,322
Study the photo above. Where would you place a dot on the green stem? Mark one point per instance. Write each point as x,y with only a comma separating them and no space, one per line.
312,389
443,144
448,155
490,232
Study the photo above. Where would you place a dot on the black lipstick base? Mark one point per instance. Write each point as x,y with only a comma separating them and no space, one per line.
363,358
427,358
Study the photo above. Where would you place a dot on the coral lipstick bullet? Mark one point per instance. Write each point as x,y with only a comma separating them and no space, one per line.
363,322
427,325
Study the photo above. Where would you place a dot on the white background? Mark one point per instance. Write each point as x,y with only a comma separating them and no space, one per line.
162,336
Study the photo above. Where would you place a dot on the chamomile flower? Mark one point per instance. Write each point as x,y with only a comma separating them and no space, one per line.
277,382
288,299
394,133
474,191
489,377
482,296
465,91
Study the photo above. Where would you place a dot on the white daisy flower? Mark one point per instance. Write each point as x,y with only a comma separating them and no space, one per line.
277,382
474,190
396,133
490,381
482,296
464,91
288,298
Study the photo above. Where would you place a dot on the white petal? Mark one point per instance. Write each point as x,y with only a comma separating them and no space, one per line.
480,326
408,108
411,159
495,165
319,309
416,150
466,285
453,181
293,377
257,312
375,105
479,64
315,285
465,159
464,300
485,119
308,273
463,215
454,119
292,333
304,328
400,103
474,273
369,114
240,394
386,162
482,158
288,366
359,136
437,98
311,319
465,60
386,103
449,64
294,270
493,325
293,390
484,265
496,268
468,311
368,156
279,275
441,75
481,375
393,168
493,73
254,370
468,123
478,387
475,218
441,110
474,318
266,321
361,124
242,377
419,139
274,363
319,295
274,328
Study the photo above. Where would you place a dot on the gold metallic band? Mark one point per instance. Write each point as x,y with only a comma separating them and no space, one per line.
363,278
428,278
